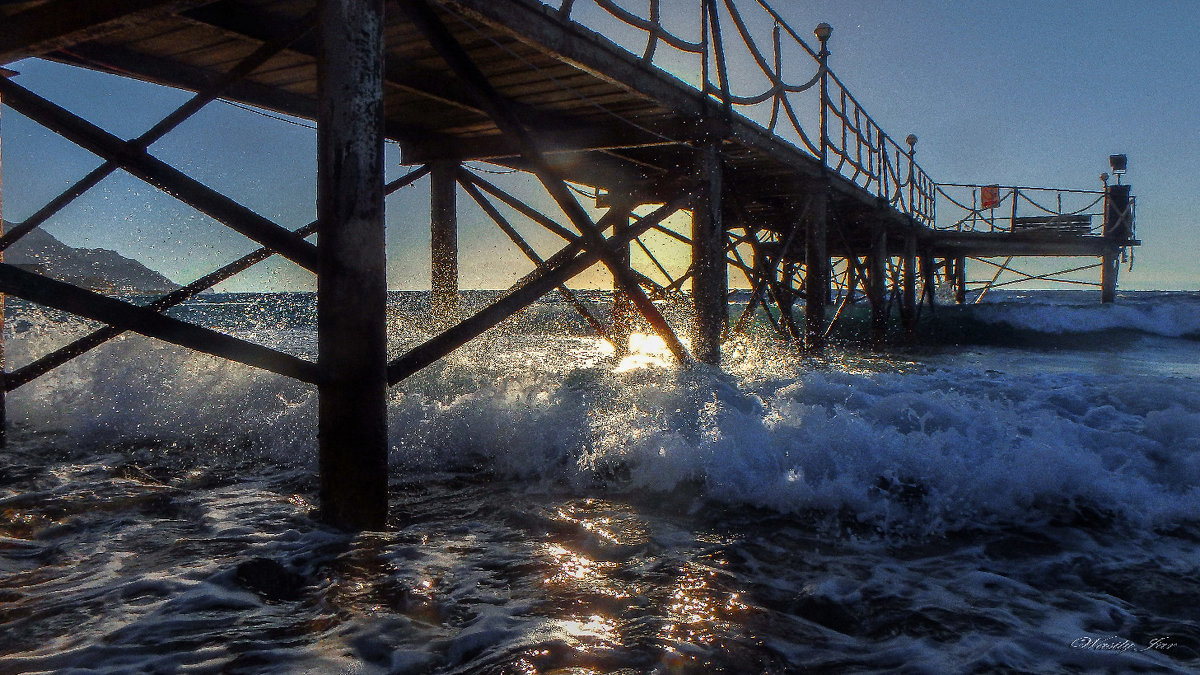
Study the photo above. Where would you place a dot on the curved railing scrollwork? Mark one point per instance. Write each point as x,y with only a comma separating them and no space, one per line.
848,140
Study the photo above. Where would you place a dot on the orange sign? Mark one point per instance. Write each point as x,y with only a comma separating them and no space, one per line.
989,197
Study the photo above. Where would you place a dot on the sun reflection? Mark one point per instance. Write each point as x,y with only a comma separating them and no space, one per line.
698,610
645,351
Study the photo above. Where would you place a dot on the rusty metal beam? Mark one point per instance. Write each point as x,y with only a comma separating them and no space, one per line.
91,305
138,162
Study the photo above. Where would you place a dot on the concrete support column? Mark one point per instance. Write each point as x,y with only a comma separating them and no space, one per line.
351,280
960,280
816,274
877,288
443,243
1110,265
909,290
710,282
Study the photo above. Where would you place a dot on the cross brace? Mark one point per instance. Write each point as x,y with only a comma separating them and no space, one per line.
138,162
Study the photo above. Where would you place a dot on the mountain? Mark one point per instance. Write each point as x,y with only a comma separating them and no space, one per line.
98,269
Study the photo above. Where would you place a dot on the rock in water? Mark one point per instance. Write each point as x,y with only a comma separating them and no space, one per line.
269,579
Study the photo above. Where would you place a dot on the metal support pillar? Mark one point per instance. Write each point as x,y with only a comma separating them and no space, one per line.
909,293
443,243
3,363
960,280
877,281
351,280
928,279
816,274
785,297
623,311
710,283
1110,264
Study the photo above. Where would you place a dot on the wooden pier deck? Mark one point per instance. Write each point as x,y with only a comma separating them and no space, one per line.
830,208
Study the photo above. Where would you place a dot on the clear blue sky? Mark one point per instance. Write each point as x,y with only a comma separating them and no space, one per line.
1015,92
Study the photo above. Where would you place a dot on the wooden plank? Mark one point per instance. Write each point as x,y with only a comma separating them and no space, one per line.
60,23
90,305
129,63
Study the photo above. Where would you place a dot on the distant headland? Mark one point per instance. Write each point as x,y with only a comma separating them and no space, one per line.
97,269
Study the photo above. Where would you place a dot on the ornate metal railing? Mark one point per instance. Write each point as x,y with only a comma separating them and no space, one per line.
1013,209
848,140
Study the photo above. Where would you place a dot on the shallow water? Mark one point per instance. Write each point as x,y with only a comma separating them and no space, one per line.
1011,503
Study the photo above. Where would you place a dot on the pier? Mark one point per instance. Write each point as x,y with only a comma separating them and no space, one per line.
792,186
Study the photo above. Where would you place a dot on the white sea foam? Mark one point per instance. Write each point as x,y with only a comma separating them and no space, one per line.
1168,315
896,447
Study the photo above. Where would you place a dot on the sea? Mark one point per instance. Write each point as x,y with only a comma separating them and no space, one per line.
1018,491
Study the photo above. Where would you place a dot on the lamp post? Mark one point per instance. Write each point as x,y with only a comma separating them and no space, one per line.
823,31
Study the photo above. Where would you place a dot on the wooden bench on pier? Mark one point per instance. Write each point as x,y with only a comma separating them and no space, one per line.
1053,225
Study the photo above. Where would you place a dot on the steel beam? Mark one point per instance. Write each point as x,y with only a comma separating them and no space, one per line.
877,287
816,272
138,162
960,279
351,277
558,269
164,126
443,243
452,52
1110,265
536,259
91,305
908,304
66,353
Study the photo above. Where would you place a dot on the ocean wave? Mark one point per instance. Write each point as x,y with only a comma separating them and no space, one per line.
1175,316
866,444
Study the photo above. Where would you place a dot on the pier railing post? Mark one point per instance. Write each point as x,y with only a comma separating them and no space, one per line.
351,280
710,283
443,243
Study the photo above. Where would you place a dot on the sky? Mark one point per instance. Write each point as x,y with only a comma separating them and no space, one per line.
1018,92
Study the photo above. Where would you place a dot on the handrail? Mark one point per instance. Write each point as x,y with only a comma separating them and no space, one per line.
1071,208
851,143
